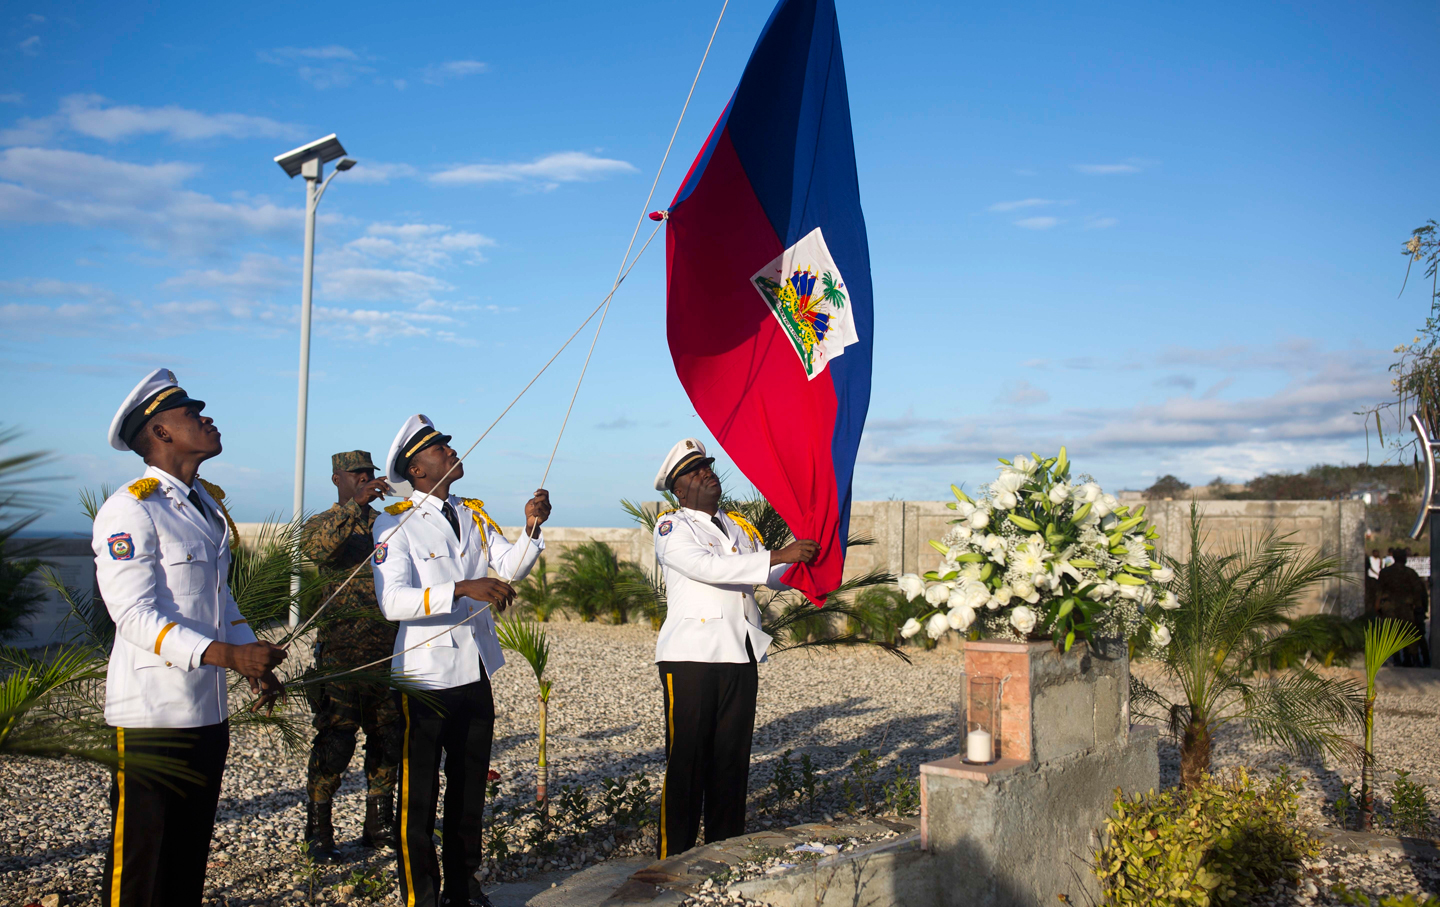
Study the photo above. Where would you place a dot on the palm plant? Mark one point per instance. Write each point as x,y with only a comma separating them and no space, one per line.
528,640
787,616
1384,639
1322,637
538,594
593,581
19,507
1233,607
885,611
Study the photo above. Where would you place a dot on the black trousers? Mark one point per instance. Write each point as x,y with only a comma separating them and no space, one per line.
160,827
709,720
463,728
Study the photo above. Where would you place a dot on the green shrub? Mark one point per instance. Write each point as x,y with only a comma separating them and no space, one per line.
1409,805
1220,842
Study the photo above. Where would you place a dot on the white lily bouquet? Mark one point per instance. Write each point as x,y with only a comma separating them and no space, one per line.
1038,556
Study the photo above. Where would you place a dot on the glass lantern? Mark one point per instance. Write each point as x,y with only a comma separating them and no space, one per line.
980,717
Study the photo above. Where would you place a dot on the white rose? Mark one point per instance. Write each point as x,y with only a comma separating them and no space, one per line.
1059,493
960,618
1130,592
936,626
1162,574
963,533
1088,493
1005,500
1022,619
1001,598
912,626
1169,602
911,586
1025,590
980,519
1161,635
963,509
937,594
974,595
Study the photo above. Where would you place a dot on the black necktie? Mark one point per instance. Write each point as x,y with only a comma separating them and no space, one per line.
450,515
719,525
199,505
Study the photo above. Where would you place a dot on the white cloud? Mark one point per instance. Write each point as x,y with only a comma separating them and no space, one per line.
257,273
144,200
12,97
417,245
1023,393
89,115
30,46
380,285
331,66
374,172
1021,203
1037,223
1129,165
1100,223
550,170
438,73
45,287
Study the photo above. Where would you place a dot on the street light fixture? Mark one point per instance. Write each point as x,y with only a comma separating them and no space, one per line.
308,161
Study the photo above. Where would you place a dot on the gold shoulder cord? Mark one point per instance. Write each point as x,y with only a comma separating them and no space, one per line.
399,507
218,494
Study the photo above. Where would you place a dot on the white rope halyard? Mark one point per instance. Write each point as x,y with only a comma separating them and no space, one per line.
627,264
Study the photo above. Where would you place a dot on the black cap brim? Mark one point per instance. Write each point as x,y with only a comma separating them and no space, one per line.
686,466
417,443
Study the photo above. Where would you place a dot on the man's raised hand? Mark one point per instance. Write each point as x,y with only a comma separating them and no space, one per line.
802,551
369,491
498,593
537,511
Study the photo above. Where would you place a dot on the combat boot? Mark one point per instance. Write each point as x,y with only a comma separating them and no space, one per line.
379,828
320,833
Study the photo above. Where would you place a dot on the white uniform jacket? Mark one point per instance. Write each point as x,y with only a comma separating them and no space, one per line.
710,578
161,568
416,567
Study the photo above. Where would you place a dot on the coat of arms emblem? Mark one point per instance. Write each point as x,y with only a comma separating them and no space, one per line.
806,294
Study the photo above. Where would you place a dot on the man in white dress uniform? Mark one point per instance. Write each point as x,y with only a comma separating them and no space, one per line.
708,648
162,555
431,567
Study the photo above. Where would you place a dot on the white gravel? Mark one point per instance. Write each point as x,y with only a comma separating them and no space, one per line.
605,722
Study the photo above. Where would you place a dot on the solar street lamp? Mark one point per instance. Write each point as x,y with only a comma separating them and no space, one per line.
308,161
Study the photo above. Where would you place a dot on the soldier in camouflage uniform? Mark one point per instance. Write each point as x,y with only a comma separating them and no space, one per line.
354,634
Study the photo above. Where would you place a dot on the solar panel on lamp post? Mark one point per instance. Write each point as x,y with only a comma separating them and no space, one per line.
308,161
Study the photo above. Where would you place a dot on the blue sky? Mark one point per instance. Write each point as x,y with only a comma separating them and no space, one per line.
1167,237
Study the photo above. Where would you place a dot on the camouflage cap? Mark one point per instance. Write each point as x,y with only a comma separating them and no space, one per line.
351,460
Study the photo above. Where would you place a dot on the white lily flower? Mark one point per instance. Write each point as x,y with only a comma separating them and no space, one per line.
936,626
937,594
1168,601
960,618
1024,464
963,509
911,586
1023,619
1162,574
1160,635
912,626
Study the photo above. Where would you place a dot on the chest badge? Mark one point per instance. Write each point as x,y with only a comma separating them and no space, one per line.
666,527
122,547
382,552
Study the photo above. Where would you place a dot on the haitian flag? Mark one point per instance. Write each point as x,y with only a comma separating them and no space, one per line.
769,305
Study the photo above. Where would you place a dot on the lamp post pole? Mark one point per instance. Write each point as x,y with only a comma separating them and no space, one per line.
307,161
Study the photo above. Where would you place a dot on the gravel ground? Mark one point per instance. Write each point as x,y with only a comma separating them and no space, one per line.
605,723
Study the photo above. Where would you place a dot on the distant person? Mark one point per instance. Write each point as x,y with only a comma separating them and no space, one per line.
339,540
1388,559
1403,595
1373,565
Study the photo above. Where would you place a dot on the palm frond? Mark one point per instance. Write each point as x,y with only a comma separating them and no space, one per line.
527,640
1384,639
1302,712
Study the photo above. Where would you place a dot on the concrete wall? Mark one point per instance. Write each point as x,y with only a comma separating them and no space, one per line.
901,530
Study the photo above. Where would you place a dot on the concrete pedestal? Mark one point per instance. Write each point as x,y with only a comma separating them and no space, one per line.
1021,831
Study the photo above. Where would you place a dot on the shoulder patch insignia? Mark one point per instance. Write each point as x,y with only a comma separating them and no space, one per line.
398,508
382,552
666,527
143,488
122,547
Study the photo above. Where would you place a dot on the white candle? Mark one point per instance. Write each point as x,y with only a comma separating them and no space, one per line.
977,746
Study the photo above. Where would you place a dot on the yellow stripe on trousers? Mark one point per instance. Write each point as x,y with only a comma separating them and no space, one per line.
405,807
670,725
119,845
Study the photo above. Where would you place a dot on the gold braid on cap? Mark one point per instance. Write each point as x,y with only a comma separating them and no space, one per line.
746,526
218,494
143,488
162,395
482,519
418,444
399,507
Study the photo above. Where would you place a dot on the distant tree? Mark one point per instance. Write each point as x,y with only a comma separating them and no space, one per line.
20,594
594,582
1167,486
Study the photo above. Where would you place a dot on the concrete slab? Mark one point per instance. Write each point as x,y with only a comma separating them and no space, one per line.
585,888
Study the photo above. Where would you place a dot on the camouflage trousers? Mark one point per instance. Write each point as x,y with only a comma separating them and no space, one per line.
341,710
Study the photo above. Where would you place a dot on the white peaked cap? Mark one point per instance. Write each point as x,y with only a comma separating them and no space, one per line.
156,393
415,435
682,454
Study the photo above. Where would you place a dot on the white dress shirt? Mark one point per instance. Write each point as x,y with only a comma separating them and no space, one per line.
710,578
416,568
161,568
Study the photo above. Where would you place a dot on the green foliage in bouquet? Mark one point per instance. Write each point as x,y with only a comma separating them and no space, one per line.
1039,555
1221,842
